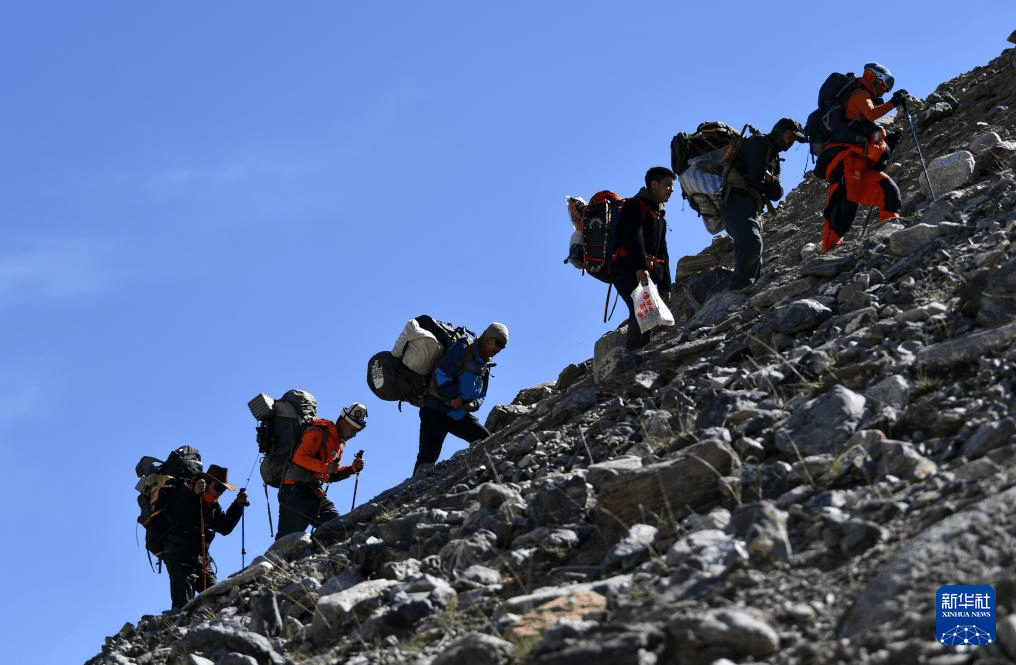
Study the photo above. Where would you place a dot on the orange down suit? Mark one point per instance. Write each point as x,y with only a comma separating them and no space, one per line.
855,176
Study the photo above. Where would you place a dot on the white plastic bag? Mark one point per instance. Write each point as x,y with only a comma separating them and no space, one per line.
650,310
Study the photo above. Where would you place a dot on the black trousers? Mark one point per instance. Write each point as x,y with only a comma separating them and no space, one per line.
435,425
186,578
302,505
625,283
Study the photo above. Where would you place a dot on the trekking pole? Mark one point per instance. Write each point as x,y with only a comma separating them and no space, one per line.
917,144
243,535
204,545
606,303
356,485
268,507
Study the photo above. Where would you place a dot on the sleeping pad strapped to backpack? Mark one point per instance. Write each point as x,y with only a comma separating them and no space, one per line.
403,374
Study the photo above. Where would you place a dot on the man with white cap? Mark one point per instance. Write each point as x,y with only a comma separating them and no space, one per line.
456,391
302,501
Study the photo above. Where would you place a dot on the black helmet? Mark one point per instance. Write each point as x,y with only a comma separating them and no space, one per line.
789,125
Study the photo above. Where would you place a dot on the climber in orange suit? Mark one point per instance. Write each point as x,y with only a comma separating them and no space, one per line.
856,173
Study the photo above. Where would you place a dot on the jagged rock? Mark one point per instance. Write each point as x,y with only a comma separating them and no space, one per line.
948,172
997,304
821,425
599,472
908,241
716,308
530,396
569,375
774,295
610,357
632,549
798,316
672,489
476,649
561,499
988,436
709,552
568,606
502,416
230,639
828,266
763,527
966,349
700,639
251,572
265,616
356,603
934,113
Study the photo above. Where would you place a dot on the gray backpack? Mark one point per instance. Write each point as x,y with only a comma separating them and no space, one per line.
281,424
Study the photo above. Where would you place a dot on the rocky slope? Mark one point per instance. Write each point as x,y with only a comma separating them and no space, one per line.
786,476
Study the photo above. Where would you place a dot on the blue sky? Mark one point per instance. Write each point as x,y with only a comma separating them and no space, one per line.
203,201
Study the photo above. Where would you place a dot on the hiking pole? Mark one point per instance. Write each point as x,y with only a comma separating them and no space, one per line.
204,545
606,303
268,508
917,144
243,535
356,485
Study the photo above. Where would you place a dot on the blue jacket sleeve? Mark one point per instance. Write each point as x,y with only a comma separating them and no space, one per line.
444,373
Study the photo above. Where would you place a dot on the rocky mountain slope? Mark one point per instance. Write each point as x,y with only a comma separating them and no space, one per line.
786,476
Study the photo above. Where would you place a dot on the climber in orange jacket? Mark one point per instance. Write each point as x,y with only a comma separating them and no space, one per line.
856,173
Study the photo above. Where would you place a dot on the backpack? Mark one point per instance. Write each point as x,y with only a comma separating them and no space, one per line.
157,482
828,122
701,161
281,424
592,242
403,374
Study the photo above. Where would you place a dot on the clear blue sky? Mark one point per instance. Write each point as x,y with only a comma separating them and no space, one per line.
203,201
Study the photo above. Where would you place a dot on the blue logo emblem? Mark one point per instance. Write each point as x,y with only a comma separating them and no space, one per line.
965,614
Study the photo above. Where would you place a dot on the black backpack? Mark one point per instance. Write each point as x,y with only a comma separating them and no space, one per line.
157,482
828,122
281,424
404,373
594,240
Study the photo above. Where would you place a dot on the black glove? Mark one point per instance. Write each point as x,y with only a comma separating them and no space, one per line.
774,191
892,139
899,97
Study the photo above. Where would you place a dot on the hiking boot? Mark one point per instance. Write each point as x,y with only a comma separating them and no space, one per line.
422,471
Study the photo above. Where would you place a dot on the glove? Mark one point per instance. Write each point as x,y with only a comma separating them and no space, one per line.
899,97
242,499
892,139
357,465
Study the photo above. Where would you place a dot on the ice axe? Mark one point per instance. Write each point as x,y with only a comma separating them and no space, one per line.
356,484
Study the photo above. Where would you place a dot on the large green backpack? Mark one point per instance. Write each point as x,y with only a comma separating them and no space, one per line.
281,424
